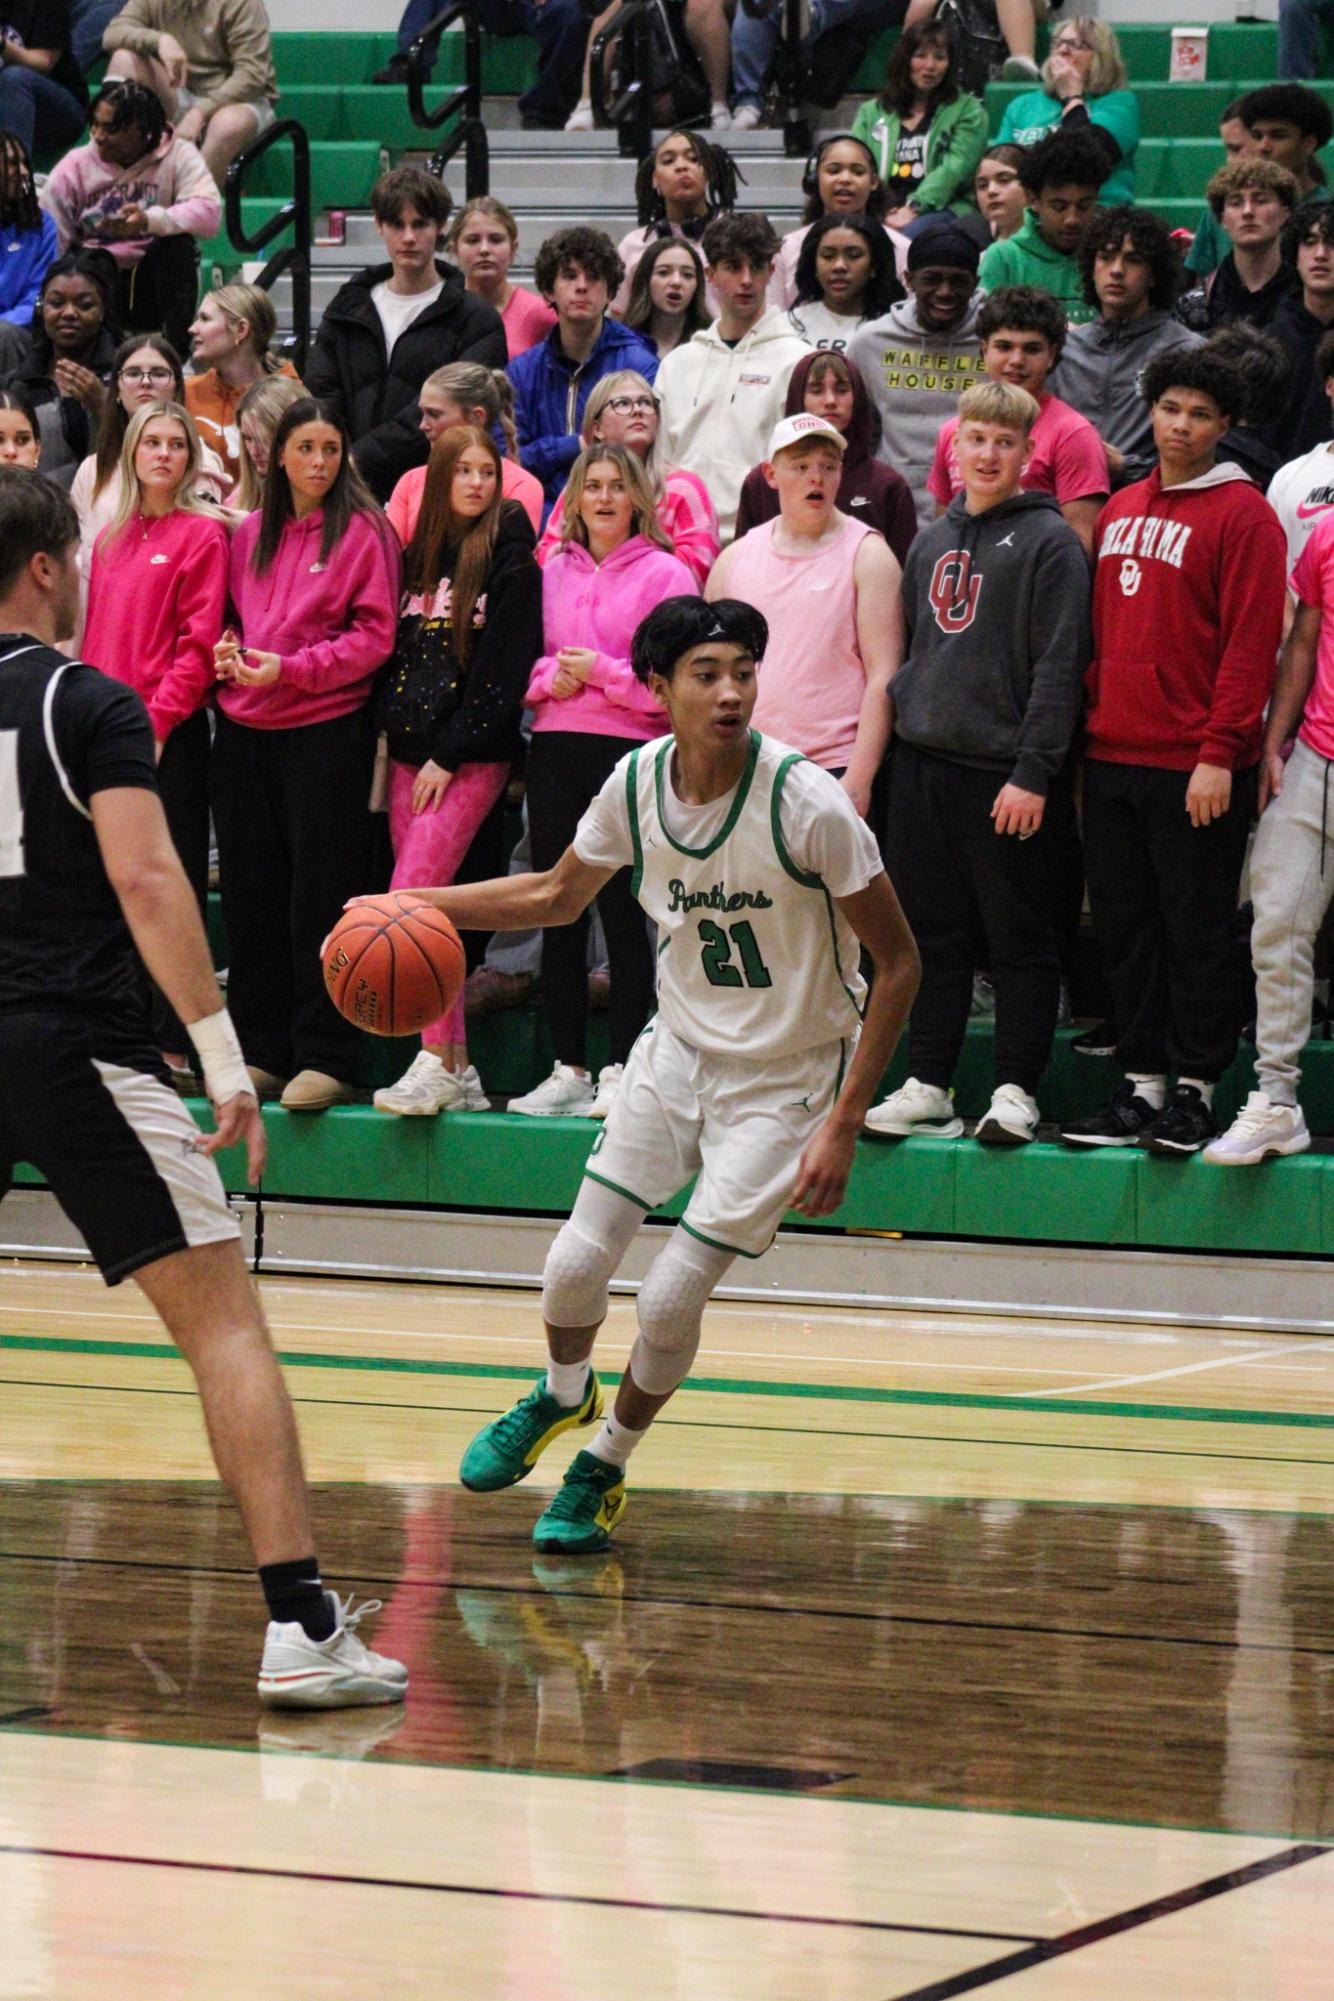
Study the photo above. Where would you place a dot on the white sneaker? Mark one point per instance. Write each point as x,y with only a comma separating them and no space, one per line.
338,1673
1011,1118
720,118
918,1108
581,118
747,118
565,1095
1260,1128
609,1082
426,1087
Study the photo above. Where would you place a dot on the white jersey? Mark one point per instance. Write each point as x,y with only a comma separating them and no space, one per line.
1299,493
754,958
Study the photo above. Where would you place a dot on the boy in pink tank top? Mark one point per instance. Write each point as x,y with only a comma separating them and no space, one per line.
829,589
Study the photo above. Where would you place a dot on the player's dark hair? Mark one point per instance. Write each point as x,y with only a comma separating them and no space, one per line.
1066,157
743,233
1264,367
1196,368
721,175
348,493
37,518
678,625
18,190
883,289
1313,218
132,104
592,250
1108,228
1023,309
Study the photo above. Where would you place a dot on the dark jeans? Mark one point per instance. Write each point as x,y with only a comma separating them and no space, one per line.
566,771
87,20
44,115
160,292
1164,899
293,827
972,897
561,28
182,780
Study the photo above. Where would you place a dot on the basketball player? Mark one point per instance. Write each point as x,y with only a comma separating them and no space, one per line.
87,874
756,1072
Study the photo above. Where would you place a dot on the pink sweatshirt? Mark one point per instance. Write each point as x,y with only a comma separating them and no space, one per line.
685,515
527,319
171,184
598,605
157,600
516,483
333,624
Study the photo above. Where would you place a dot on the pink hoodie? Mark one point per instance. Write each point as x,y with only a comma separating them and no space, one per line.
333,624
598,605
156,601
171,184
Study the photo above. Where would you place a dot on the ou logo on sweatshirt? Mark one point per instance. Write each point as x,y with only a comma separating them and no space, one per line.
955,588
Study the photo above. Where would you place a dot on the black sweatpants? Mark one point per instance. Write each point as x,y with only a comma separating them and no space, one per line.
182,780
160,292
971,896
566,771
1164,897
290,807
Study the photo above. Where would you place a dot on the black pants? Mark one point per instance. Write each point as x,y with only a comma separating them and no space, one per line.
160,292
566,771
182,778
972,896
293,826
1163,896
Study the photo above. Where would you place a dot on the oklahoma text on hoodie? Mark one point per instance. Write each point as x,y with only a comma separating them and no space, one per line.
915,378
171,184
332,623
997,611
720,404
1187,617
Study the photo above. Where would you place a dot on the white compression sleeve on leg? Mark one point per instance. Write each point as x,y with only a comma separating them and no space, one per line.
671,1312
585,1256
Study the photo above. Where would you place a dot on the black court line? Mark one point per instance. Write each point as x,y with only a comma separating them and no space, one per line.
1043,1950
517,1896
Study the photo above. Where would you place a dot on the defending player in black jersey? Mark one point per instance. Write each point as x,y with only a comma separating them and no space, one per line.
87,874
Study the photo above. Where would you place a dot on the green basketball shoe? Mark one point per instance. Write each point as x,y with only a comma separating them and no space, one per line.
508,1448
584,1509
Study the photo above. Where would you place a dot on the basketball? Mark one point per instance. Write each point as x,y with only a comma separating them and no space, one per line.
393,963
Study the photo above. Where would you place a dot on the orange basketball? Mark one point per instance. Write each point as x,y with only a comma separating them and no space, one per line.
393,963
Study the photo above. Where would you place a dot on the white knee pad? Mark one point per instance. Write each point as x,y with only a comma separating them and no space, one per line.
671,1309
585,1255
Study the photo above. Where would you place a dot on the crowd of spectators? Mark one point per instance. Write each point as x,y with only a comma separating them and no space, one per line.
1036,498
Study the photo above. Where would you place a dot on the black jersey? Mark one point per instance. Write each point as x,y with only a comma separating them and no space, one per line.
66,732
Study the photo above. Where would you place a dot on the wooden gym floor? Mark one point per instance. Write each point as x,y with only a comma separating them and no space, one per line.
936,1655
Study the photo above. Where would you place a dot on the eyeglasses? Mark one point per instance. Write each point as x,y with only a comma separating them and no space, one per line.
623,405
147,375
1073,42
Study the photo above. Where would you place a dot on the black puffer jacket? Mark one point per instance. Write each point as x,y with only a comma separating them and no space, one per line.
377,393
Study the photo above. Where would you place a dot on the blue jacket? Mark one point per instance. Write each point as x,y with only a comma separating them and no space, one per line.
550,393
26,255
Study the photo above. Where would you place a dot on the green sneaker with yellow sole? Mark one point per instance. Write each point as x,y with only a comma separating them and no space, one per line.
507,1449
584,1509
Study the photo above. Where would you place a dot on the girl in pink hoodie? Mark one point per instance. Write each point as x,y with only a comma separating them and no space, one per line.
314,586
612,566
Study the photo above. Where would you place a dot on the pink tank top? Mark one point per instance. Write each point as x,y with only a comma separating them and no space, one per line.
812,680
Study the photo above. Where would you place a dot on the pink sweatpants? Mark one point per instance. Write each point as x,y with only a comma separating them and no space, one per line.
428,847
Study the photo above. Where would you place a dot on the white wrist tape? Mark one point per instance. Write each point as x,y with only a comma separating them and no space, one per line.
219,1051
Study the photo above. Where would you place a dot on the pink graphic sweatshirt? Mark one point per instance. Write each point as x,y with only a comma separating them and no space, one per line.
171,184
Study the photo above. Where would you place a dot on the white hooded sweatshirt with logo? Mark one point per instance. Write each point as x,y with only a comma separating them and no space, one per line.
720,404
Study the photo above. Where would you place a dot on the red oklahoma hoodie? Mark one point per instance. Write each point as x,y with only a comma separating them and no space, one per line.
1187,619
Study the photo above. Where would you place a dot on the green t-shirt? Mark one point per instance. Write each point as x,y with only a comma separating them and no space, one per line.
1030,117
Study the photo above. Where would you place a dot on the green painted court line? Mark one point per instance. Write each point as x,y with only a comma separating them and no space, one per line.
737,1386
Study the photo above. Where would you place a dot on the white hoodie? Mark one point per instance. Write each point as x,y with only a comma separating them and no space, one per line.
720,404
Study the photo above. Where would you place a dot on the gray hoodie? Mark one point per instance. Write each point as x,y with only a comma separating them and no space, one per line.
915,379
1098,374
997,607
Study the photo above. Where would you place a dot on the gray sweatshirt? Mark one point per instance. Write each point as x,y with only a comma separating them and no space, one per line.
915,379
1098,373
997,607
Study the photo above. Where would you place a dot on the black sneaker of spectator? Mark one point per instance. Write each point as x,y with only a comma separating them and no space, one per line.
394,71
1118,1124
1100,1040
1184,1125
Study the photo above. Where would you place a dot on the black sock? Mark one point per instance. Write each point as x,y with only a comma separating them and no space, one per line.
293,1591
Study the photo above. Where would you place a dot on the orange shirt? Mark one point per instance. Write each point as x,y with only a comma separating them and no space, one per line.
212,403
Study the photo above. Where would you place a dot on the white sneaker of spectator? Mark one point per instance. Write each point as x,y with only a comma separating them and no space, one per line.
426,1087
566,1094
1011,1119
720,118
609,1082
1260,1128
581,118
915,1108
747,118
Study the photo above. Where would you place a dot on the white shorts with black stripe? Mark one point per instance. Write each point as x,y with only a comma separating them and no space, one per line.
113,1142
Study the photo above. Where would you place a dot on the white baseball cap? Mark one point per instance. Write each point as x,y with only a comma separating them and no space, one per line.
799,430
